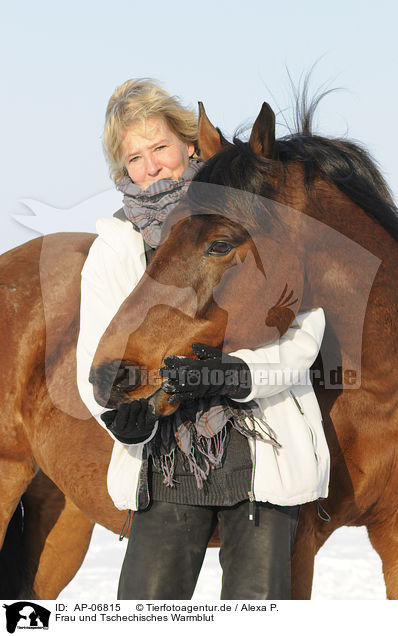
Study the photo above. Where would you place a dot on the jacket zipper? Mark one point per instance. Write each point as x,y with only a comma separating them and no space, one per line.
138,489
252,499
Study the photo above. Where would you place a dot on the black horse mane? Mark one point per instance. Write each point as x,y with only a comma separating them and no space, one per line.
344,162
349,167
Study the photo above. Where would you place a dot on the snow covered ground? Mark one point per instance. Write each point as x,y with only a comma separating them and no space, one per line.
346,568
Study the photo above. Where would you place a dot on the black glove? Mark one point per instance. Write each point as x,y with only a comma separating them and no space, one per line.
132,423
214,374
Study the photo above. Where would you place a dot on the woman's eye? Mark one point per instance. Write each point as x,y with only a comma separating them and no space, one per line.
160,147
133,159
220,248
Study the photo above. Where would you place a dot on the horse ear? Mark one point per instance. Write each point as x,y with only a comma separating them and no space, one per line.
210,139
262,138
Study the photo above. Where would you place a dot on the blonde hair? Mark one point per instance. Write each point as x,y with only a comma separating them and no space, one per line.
133,102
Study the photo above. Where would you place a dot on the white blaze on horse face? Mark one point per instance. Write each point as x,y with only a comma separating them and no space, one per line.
152,151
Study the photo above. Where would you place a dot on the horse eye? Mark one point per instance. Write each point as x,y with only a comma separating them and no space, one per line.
220,248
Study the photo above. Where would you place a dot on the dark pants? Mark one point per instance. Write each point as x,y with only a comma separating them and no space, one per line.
168,542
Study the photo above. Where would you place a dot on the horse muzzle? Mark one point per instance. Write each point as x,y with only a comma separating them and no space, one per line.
120,381
114,381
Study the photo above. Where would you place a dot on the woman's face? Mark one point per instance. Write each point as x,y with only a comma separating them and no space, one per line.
152,152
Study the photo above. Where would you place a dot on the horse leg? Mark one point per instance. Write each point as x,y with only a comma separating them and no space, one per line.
311,534
303,558
14,479
384,539
55,539
64,552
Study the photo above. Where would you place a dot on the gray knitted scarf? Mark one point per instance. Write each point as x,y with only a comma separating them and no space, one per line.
148,209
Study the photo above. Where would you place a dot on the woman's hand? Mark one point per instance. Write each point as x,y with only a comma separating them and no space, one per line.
132,423
212,373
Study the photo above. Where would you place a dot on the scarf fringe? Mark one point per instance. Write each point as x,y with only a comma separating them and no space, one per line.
167,465
238,421
204,452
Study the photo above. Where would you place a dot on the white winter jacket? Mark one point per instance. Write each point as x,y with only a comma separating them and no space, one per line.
295,473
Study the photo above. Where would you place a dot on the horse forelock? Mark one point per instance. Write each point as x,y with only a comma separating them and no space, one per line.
238,167
243,187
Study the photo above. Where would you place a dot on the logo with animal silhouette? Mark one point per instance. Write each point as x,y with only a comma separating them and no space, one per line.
26,615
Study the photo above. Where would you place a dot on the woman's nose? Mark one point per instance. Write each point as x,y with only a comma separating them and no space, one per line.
152,165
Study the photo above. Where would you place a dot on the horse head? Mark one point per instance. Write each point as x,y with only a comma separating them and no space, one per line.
228,273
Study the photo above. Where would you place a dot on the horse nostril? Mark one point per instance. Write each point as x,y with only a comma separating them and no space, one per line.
128,377
122,374
111,382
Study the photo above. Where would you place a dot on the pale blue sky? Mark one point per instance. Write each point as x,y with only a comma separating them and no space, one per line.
60,61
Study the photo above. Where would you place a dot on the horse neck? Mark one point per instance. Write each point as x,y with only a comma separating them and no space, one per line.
350,273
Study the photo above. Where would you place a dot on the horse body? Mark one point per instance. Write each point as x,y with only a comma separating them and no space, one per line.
59,512
360,424
46,429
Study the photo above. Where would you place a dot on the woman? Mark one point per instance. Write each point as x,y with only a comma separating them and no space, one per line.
251,482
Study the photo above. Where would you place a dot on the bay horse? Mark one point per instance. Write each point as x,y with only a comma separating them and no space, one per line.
55,457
